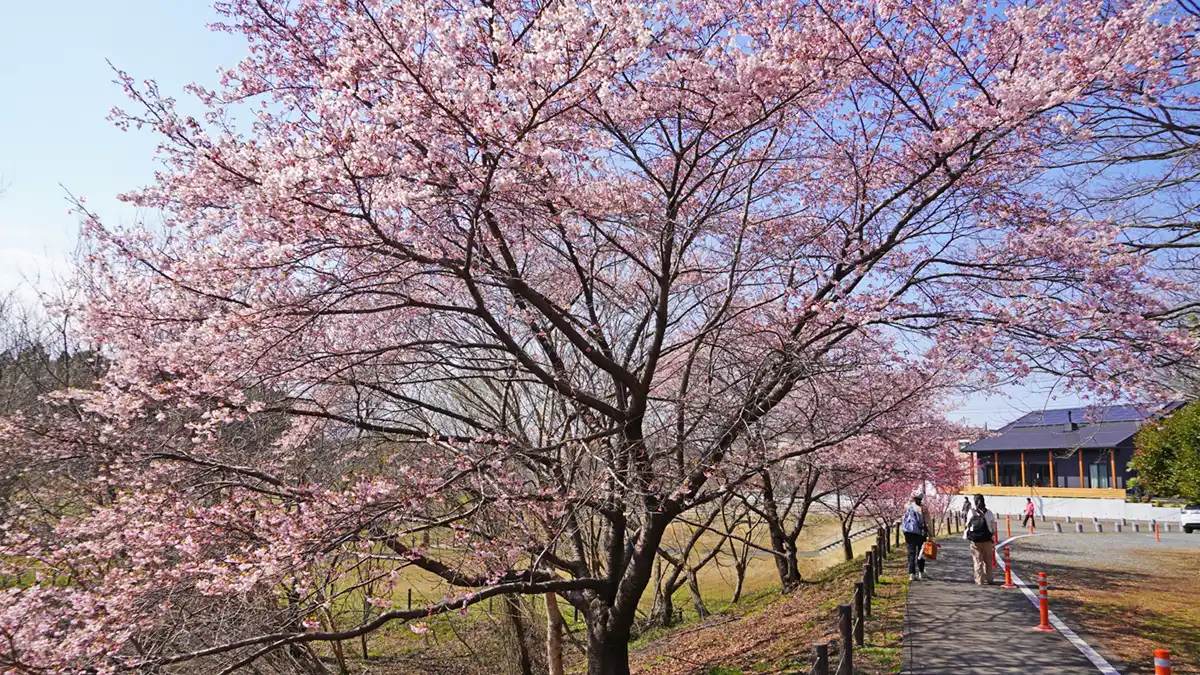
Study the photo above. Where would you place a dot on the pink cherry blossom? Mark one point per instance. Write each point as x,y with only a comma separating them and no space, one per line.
498,291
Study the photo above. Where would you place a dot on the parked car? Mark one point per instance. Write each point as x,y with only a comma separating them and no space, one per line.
1189,518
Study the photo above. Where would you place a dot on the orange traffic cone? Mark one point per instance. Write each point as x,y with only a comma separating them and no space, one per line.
1162,662
1044,603
1008,569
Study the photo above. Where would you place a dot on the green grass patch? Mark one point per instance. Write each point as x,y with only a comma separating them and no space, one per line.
885,657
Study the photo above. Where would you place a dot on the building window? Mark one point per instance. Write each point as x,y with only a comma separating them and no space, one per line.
1037,474
986,472
1010,475
1099,475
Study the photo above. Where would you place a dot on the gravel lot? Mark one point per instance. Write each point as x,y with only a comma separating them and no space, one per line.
1129,551
1126,594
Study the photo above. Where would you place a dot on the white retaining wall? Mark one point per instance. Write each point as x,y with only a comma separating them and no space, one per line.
1060,507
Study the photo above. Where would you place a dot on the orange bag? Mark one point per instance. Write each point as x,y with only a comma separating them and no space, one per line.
930,551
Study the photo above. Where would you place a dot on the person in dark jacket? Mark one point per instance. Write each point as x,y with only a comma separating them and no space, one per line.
981,532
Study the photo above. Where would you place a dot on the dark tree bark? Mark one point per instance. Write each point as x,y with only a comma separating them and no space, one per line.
783,531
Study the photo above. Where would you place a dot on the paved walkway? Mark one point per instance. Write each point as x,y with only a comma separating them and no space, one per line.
954,627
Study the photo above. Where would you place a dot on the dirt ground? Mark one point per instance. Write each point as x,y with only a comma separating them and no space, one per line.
1125,594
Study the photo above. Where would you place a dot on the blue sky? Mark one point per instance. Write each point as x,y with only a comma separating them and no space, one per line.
56,91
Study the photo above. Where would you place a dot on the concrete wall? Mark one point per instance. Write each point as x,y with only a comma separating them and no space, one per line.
1059,507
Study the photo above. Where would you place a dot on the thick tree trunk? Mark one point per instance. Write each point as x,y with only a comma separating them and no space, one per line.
610,616
790,578
554,631
666,610
775,530
608,651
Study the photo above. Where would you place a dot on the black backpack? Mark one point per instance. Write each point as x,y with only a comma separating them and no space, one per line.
977,527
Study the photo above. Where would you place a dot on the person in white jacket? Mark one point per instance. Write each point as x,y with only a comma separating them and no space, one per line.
981,532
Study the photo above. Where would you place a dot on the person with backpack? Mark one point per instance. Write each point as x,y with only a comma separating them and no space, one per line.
916,531
1029,511
981,528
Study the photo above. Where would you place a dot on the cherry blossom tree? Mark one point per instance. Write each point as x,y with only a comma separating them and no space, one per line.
874,475
897,439
526,275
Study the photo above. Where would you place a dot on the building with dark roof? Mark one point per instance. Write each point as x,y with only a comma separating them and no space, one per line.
1064,452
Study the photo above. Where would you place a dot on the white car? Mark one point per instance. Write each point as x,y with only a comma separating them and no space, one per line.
1189,518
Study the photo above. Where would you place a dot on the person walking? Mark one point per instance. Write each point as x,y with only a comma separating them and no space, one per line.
1029,511
981,528
916,531
966,509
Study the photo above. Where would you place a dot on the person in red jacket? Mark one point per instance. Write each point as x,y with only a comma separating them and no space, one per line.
1029,511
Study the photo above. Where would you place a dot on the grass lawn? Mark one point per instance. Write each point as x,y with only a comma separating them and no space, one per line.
457,637
774,634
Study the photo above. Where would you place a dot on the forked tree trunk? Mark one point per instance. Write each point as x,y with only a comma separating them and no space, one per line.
666,609
847,545
784,549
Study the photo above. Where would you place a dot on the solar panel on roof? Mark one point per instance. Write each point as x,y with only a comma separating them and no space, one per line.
1116,413
1127,413
1046,418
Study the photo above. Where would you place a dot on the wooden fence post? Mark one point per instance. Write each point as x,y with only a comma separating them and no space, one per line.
845,627
820,660
868,588
860,618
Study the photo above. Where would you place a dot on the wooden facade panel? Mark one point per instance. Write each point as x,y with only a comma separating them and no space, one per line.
1086,493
